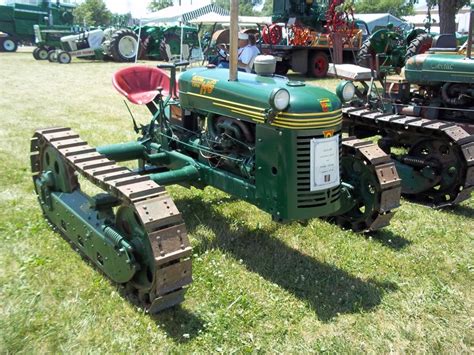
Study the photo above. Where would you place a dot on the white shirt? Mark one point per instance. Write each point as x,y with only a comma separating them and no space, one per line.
246,55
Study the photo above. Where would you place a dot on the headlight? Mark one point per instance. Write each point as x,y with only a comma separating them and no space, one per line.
345,90
280,99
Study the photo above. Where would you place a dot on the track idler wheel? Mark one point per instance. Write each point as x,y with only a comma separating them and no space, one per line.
133,232
450,167
376,186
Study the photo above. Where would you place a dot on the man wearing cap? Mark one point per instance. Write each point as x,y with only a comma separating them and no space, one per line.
246,53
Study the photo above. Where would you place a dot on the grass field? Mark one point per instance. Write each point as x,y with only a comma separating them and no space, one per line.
258,285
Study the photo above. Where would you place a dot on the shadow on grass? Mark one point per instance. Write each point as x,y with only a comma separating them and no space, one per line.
180,324
389,239
461,210
328,290
177,322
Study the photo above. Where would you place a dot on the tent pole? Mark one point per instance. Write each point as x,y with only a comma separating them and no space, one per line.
234,35
181,49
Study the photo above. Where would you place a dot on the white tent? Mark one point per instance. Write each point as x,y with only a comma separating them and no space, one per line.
462,21
374,20
212,18
180,15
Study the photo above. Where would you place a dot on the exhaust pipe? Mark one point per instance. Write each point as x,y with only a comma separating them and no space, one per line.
234,37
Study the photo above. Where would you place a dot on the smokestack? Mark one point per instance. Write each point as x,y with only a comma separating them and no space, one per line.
234,37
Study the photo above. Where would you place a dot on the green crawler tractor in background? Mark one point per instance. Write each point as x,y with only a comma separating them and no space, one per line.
394,47
425,118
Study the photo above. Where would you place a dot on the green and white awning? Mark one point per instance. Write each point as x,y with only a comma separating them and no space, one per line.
183,14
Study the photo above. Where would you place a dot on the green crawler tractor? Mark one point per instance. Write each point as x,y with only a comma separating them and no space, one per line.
425,119
269,141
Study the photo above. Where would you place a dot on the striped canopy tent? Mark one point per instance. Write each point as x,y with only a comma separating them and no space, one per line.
209,19
180,15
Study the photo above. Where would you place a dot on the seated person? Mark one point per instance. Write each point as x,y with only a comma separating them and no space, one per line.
246,53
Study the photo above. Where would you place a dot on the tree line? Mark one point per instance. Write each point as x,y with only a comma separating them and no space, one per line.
95,12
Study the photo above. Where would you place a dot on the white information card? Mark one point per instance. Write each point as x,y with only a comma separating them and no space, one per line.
324,156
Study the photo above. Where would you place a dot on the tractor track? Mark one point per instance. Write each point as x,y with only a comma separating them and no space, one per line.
385,189
457,137
152,207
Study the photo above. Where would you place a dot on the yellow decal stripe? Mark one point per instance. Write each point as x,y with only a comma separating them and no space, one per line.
317,120
259,115
315,114
312,127
225,101
309,125
255,118
327,119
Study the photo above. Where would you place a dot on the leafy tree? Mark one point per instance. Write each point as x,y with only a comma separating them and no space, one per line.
93,13
267,9
394,7
156,5
246,7
447,13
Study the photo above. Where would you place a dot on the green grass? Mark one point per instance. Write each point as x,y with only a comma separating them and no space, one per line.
258,285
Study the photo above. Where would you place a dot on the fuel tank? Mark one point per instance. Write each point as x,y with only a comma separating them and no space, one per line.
438,68
252,98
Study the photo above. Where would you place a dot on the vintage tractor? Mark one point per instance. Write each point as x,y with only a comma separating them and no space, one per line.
264,139
164,42
18,18
7,43
121,45
394,46
48,38
425,119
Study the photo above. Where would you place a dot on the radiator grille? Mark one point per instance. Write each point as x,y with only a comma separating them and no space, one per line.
305,197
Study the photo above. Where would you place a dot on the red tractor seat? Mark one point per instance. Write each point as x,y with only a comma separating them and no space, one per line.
139,83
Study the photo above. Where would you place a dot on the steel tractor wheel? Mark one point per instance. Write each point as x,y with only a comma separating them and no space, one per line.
318,65
64,58
419,45
123,45
53,56
9,45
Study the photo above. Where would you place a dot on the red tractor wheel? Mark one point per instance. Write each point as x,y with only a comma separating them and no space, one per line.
272,34
318,65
